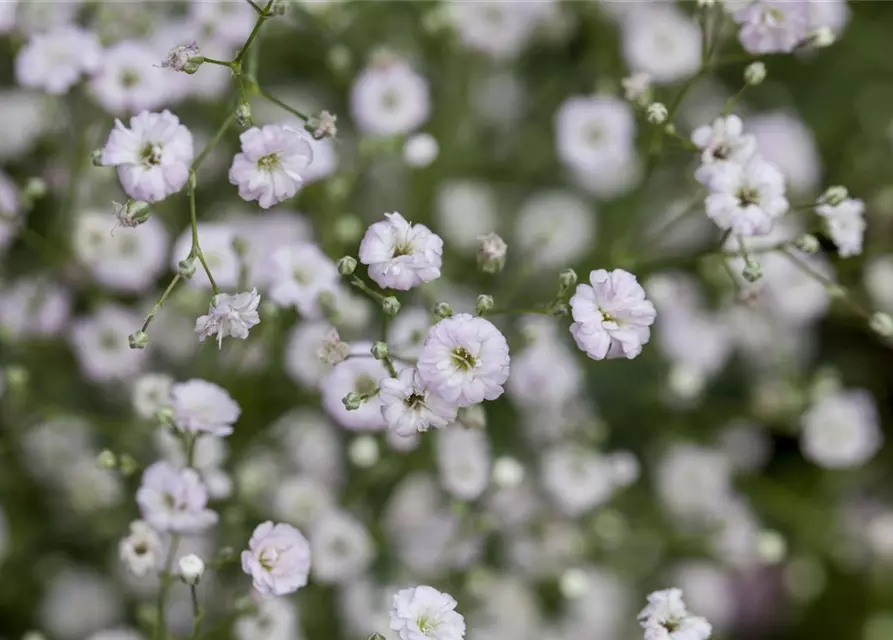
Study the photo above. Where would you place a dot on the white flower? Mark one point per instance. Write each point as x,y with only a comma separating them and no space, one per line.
358,375
178,58
277,559
79,602
34,306
723,141
333,350
342,548
130,80
788,143
464,360
420,613
593,131
663,43
304,349
464,211
298,274
151,392
545,374
408,407
140,552
401,255
229,23
555,228
174,500
101,346
772,26
463,462
576,479
666,618
272,619
612,316
389,99
325,126
693,482
301,500
846,225
191,569
746,198
55,60
271,165
203,407
840,431
497,28
420,150
637,87
153,156
229,315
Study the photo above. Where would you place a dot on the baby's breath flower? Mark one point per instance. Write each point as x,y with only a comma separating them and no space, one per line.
183,58
229,315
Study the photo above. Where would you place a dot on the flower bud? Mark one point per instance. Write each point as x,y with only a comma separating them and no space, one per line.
443,310
484,304
491,253
807,243
347,265
186,268
191,569
352,401
637,88
96,158
379,350
754,73
567,280
822,37
375,636
333,350
391,306
34,189
656,113
834,195
138,340
507,472
363,451
132,213
243,115
752,272
164,416
106,460
127,465
882,324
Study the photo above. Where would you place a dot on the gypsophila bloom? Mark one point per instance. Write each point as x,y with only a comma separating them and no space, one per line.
203,407
333,350
174,500
723,141
55,60
464,360
191,568
298,275
152,156
663,43
746,198
420,613
151,392
846,225
325,126
277,559
491,252
359,375
772,26
178,58
637,88
389,98
666,618
840,431
130,80
408,407
463,461
342,548
420,150
229,315
140,552
401,255
271,165
611,316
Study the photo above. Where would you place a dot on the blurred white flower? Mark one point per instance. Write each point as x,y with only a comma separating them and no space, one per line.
34,306
229,315
299,274
612,316
389,98
463,462
277,559
305,342
302,500
312,445
8,16
546,373
594,131
846,225
174,500
709,589
663,43
77,603
129,80
228,23
555,228
878,282
401,255
10,210
140,552
117,634
152,156
692,481
406,332
746,198
772,26
408,408
342,548
464,211
576,479
271,619
423,612
420,150
840,430
203,407
101,346
54,61
465,360
786,141
271,166
358,375
666,618
497,28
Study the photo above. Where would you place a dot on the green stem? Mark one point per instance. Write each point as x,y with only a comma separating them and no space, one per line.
196,251
256,7
213,142
261,18
282,105
197,613
369,291
165,576
222,63
161,301
833,287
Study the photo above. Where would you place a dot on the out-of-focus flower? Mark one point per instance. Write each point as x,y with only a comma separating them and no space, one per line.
846,225
786,141
594,131
555,228
101,345
576,479
840,431
217,246
389,98
271,166
140,552
203,407
663,43
298,275
55,60
772,26
271,619
151,392
277,559
420,150
341,547
229,315
174,500
408,407
401,255
361,376
423,612
463,461
129,80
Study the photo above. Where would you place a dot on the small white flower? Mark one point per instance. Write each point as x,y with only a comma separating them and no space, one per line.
192,568
203,407
464,360
298,274
333,350
576,479
746,198
772,26
178,58
174,500
140,552
723,141
408,407
611,316
55,60
662,42
277,559
342,548
840,431
130,80
592,131
637,87
846,225
492,250
101,346
271,619
656,113
229,315
151,392
401,255
420,613
420,150
666,618
325,126
463,462
271,165
389,99
153,156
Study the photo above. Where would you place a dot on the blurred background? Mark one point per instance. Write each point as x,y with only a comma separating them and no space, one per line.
553,510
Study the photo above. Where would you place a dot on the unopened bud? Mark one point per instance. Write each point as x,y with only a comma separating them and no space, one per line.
96,158
567,280
755,73
107,460
656,113
186,268
243,115
443,310
491,253
822,37
352,401
834,195
138,340
132,213
484,304
164,416
191,569
882,324
391,306
379,350
347,265
34,189
752,272
807,243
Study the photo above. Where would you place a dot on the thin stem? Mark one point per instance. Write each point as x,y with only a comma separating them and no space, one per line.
261,18
833,287
165,576
222,63
369,291
197,613
213,142
196,251
282,105
161,301
256,7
